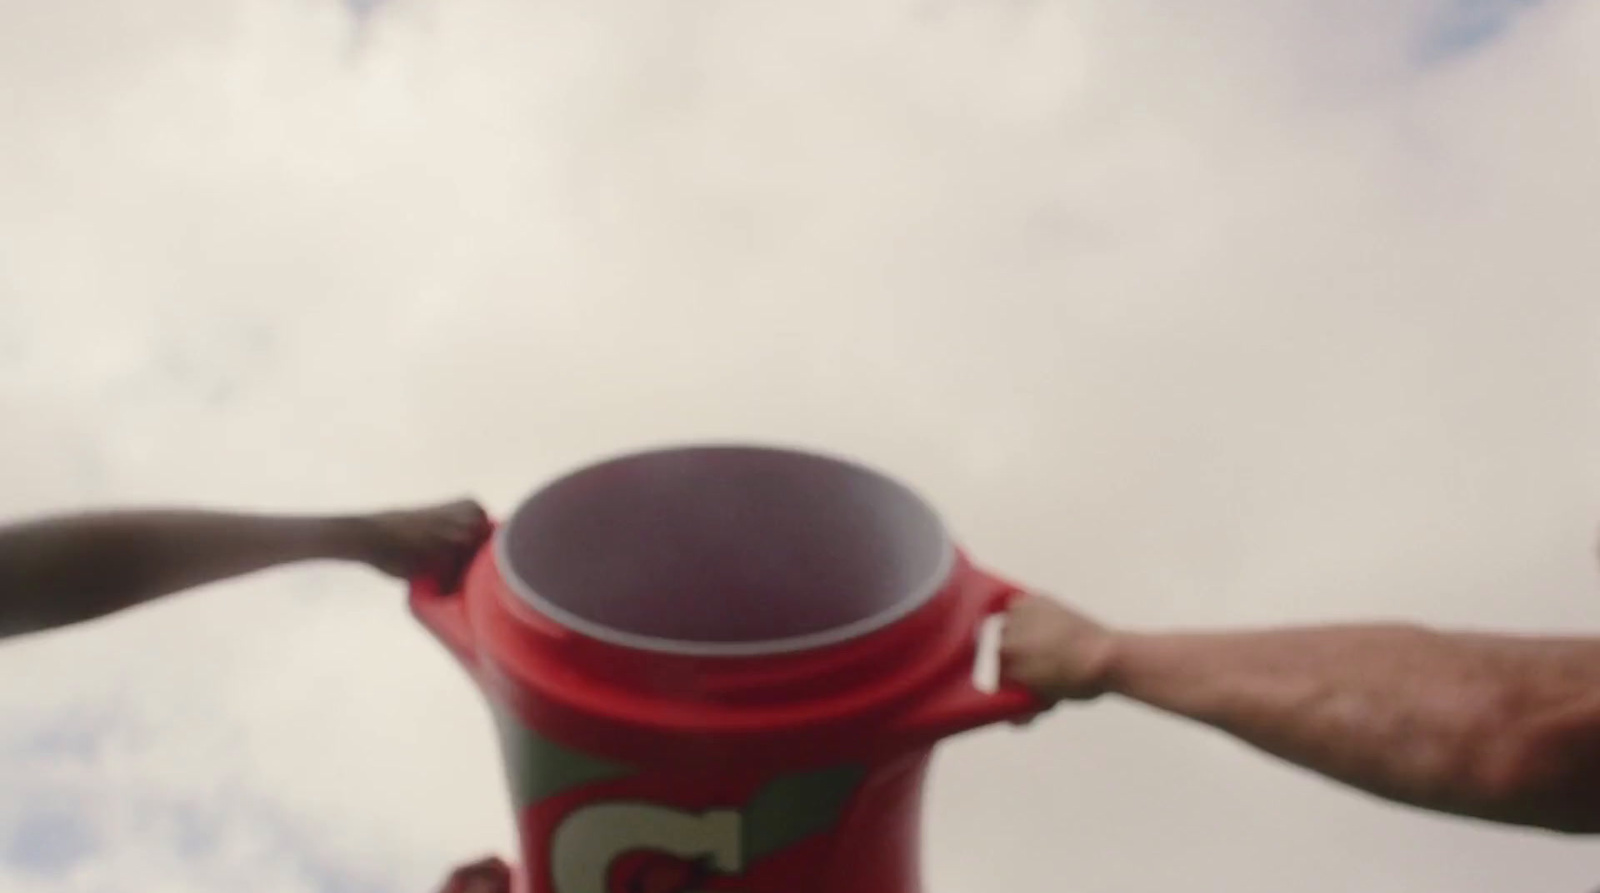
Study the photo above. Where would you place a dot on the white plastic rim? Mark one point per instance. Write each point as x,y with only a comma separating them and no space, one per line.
724,550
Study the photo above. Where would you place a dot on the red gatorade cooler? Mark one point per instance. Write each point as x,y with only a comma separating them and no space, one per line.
722,668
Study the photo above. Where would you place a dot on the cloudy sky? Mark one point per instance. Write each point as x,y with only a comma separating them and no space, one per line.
1198,314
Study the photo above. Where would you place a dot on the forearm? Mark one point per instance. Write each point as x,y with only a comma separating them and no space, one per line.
74,568
1436,720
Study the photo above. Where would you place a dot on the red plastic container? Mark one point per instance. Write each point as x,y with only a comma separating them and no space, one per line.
722,668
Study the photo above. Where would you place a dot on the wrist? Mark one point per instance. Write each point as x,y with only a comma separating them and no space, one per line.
1128,658
341,537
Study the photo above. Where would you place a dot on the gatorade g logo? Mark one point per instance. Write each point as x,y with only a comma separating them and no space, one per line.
631,846
644,848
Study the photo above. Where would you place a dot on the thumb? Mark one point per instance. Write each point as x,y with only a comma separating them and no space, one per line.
490,875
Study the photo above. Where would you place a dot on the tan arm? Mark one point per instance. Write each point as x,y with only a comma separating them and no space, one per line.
1495,727
1498,727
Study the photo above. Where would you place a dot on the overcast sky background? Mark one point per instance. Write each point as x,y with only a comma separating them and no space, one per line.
1196,313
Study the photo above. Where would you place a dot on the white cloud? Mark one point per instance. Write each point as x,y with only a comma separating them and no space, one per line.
1196,315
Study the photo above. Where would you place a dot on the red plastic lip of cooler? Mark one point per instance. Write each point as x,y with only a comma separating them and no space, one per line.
598,695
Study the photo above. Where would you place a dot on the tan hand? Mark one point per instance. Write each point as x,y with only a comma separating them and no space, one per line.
436,540
1059,653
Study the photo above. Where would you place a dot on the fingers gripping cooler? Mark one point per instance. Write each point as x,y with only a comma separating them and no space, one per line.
722,668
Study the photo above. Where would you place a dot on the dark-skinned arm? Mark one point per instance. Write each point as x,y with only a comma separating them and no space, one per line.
74,568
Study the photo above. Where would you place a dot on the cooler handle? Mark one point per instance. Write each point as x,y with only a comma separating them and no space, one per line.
444,612
961,706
